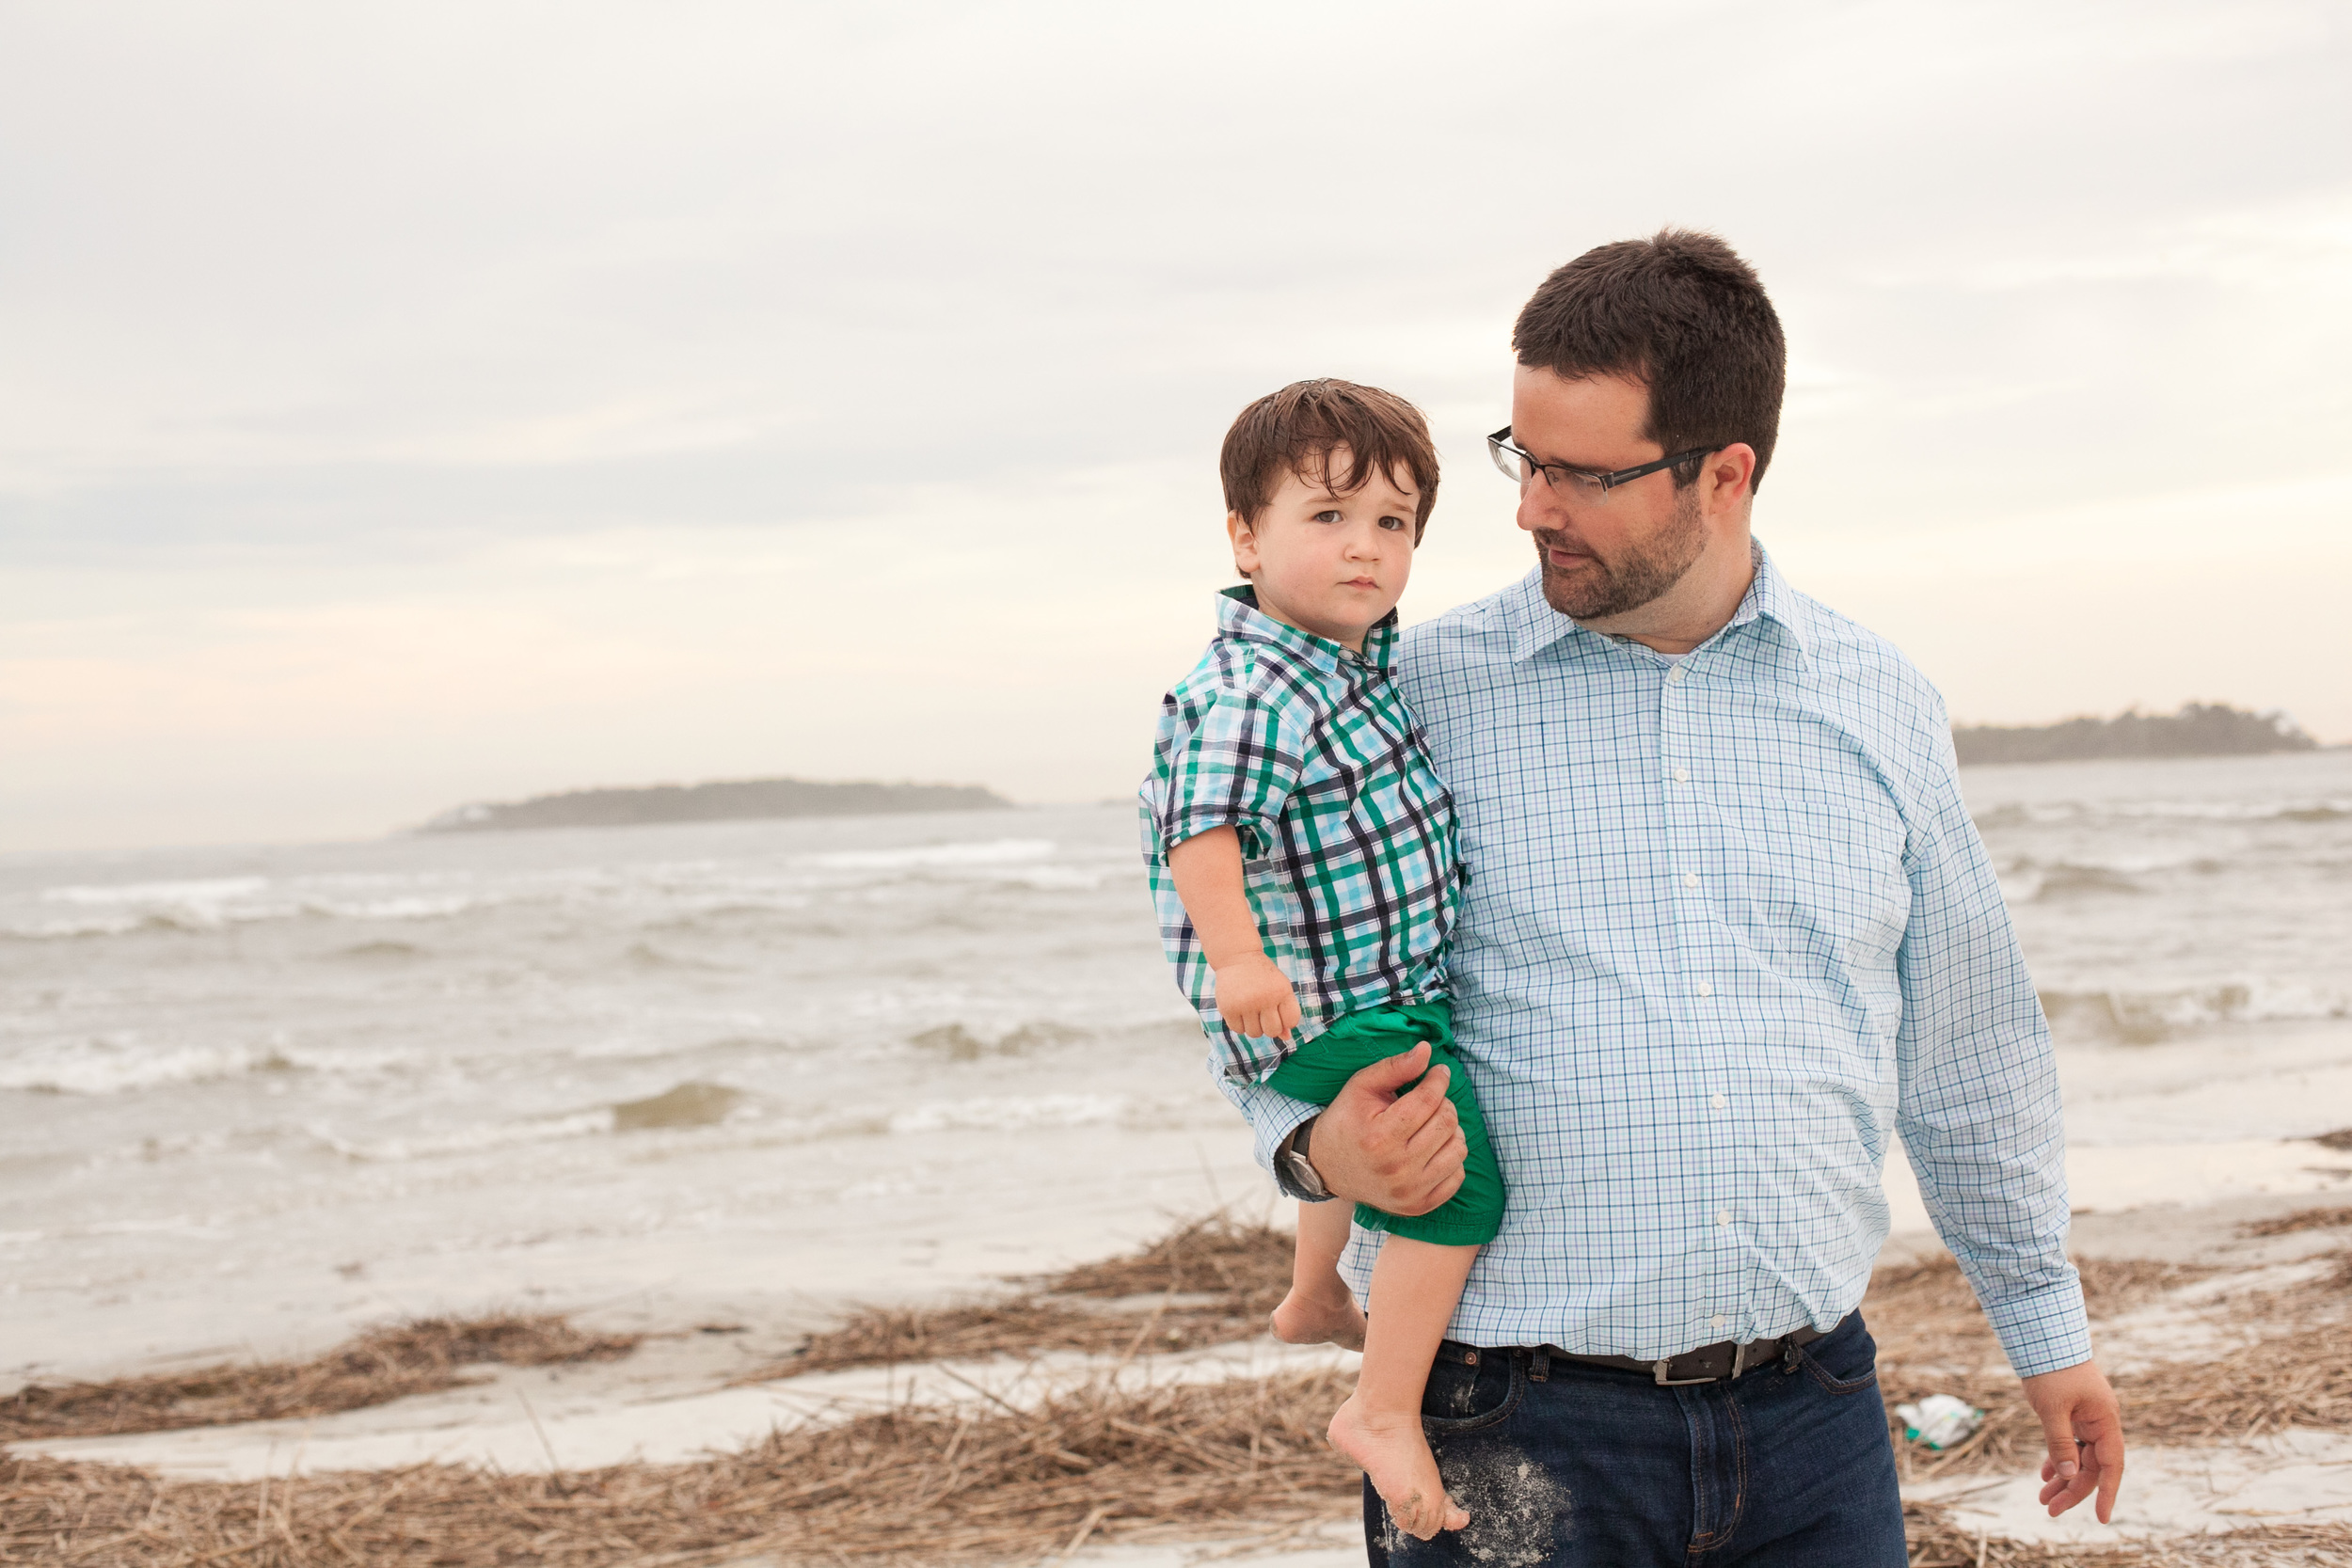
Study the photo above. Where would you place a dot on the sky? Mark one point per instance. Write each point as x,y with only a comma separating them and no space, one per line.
409,406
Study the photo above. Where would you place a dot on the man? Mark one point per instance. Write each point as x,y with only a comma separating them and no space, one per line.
1729,930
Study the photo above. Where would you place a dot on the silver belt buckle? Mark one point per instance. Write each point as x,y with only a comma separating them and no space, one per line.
1739,1365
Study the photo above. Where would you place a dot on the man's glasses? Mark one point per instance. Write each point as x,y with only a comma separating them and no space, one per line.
1576,483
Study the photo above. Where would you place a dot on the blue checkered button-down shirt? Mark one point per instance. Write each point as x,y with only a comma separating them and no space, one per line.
1729,930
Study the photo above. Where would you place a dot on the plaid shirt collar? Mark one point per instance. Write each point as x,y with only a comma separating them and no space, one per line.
1770,605
1238,616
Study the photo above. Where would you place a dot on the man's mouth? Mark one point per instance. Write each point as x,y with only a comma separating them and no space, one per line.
1558,551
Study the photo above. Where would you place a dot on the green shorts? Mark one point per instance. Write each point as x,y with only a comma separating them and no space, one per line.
1317,1071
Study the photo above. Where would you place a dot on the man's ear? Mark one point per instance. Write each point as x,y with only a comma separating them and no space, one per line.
1727,479
1244,542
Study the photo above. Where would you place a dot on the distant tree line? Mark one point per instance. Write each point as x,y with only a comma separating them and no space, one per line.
739,800
2198,730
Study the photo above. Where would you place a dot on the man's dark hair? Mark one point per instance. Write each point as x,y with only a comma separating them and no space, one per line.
1294,432
1681,312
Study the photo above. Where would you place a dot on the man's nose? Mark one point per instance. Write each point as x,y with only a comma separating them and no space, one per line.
1539,507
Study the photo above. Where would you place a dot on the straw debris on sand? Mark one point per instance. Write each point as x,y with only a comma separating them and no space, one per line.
1210,1281
1245,1457
1936,1542
418,1356
1934,1340
910,1484
2302,1219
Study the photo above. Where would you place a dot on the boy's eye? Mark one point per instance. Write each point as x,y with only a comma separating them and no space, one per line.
1393,524
1328,516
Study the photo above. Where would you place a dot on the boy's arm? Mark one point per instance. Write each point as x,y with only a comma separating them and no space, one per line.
1253,995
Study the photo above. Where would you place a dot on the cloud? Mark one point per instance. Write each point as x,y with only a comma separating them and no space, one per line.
542,390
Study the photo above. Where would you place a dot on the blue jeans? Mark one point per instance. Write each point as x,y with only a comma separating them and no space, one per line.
1594,1468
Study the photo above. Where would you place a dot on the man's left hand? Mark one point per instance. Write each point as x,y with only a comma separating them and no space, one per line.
2084,1427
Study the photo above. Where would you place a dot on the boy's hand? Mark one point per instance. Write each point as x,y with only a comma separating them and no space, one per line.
1254,998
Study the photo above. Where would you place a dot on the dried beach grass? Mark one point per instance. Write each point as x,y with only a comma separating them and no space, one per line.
2302,1219
905,1486
1244,1458
1248,1264
1215,1281
1931,1303
1934,1340
908,1485
1935,1541
417,1357
2301,1377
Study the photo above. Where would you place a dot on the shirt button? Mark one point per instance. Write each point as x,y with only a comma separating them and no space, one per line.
1682,775
1690,879
1707,987
1718,1102
1715,1322
1722,1216
1676,675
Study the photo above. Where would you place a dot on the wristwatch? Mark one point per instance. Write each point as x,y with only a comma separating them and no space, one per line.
1297,1171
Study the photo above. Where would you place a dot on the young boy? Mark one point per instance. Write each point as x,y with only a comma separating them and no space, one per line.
1302,857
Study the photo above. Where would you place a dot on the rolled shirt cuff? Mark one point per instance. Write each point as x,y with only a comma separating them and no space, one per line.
2043,1330
1273,1117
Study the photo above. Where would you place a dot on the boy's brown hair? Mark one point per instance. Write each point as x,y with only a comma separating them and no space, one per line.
1294,430
1682,313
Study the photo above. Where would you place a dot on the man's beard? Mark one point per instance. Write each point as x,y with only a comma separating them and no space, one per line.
1600,589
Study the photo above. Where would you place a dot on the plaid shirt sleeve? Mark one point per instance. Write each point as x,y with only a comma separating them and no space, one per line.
1980,1107
1233,760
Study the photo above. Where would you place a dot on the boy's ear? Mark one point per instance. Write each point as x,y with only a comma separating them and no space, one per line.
1245,540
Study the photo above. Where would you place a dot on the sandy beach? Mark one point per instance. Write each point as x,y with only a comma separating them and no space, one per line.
2204,1241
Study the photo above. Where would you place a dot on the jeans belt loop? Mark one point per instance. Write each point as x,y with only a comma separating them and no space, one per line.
1539,1368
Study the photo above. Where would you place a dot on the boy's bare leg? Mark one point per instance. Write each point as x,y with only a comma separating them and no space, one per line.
1415,1288
1320,1307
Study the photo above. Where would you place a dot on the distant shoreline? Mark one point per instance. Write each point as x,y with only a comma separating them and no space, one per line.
730,800
2198,730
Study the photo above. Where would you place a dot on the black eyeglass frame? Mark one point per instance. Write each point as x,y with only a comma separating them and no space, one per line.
1501,442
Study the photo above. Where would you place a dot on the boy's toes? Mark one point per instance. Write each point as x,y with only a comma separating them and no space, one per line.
1424,1520
1310,1322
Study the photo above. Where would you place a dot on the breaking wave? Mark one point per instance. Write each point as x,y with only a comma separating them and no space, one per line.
468,1140
2151,1016
108,909
2025,814
115,1066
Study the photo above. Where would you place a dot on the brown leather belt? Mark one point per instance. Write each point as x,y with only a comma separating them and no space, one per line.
1712,1363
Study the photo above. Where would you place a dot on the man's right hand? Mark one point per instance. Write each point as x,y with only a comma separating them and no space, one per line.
1402,1154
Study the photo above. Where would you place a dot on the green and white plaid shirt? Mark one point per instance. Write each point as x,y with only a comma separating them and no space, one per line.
1347,838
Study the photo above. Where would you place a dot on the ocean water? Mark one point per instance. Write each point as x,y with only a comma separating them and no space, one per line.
239,1083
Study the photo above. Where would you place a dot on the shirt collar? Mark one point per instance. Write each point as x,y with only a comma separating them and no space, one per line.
1534,626
1238,616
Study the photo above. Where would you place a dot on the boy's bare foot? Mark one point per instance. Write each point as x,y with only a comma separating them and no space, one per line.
1320,1317
1396,1454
